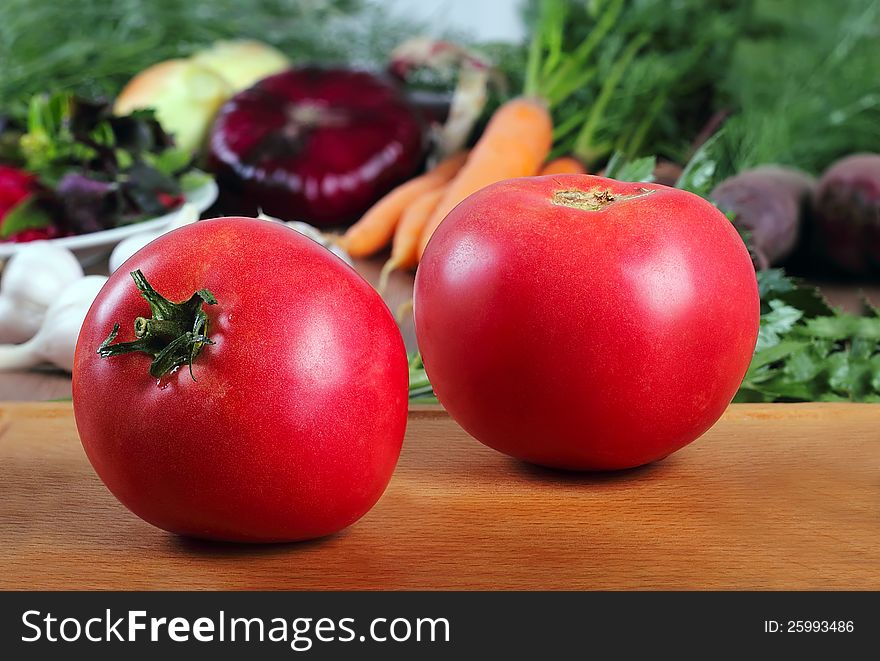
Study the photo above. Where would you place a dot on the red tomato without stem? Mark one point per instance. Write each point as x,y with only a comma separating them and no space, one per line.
583,323
294,422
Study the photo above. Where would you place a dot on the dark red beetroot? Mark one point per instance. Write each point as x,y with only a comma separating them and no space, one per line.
319,145
847,212
767,202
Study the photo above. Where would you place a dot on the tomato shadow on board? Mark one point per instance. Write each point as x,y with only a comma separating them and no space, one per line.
535,473
220,549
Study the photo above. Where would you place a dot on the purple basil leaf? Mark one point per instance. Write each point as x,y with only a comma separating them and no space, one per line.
88,205
144,185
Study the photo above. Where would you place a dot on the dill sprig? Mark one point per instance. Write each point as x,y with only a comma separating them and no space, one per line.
92,47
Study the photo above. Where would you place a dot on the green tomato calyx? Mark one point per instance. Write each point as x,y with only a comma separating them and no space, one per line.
173,336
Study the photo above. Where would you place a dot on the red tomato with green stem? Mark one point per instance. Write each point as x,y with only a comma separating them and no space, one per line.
269,406
583,323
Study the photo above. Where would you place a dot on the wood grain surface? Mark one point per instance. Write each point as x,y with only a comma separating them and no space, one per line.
774,497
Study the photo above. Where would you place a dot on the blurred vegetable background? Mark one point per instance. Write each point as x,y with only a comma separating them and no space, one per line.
796,79
657,74
805,89
92,47
653,79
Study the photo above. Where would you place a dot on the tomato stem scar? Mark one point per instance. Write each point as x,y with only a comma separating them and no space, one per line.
594,200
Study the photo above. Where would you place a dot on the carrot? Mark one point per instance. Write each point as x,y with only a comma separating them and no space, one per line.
375,228
563,165
405,247
515,143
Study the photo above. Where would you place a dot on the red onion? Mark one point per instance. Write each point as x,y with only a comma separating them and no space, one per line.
316,145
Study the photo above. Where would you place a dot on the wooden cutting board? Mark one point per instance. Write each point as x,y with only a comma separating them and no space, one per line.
774,497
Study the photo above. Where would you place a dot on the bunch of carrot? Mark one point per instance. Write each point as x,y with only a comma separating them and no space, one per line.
515,143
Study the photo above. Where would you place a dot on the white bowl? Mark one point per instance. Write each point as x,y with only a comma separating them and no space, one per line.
90,248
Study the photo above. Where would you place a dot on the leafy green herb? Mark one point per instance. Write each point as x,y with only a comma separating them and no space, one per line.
420,390
642,76
706,167
774,284
809,352
622,169
49,144
190,181
806,88
776,323
170,161
805,91
97,170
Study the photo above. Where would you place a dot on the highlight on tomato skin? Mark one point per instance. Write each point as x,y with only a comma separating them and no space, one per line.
614,321
254,390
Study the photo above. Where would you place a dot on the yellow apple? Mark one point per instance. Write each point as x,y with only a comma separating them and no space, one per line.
242,62
185,95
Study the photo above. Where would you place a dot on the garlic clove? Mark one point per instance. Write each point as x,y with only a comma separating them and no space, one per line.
32,278
55,341
19,320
